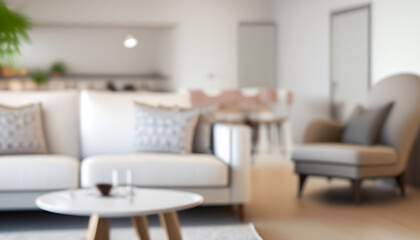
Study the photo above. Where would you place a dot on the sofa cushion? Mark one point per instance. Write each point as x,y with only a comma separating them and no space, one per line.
157,170
203,131
22,130
38,172
107,119
164,130
60,112
345,154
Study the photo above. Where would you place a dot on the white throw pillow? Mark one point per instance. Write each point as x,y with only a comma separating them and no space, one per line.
21,130
164,130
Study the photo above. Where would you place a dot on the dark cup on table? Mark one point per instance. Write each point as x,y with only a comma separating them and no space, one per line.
104,188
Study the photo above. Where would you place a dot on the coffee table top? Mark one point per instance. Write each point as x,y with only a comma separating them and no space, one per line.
85,202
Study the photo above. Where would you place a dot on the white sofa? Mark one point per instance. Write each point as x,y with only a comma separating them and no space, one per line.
91,133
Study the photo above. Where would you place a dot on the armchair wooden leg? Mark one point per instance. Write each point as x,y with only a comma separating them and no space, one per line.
356,190
302,179
400,179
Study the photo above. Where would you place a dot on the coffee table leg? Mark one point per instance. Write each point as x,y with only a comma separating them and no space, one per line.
98,228
170,223
141,226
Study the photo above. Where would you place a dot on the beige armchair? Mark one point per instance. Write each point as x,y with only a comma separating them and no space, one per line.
322,153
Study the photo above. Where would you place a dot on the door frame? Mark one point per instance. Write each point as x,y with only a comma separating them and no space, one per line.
333,14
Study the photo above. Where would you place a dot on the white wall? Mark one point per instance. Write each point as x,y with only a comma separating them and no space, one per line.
304,49
396,35
304,56
205,39
97,50
206,30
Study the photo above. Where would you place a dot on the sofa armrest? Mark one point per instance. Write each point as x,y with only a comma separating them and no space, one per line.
232,144
323,130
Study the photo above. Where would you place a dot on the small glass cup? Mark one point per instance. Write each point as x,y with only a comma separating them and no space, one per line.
128,182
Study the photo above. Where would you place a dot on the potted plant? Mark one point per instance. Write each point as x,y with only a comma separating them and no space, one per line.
6,71
58,69
39,77
14,28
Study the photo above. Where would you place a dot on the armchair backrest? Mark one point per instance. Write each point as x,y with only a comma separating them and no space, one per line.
402,124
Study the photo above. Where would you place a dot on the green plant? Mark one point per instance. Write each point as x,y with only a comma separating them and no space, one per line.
14,28
39,77
59,67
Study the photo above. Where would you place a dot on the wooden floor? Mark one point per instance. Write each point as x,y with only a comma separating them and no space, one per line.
326,210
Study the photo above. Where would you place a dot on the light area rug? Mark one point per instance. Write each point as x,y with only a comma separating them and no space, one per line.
225,232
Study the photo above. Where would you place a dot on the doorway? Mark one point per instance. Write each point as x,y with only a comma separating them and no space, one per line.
350,59
257,55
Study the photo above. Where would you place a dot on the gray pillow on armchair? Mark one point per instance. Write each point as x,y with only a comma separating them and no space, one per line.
365,125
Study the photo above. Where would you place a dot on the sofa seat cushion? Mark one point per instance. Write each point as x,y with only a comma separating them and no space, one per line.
157,170
345,154
38,172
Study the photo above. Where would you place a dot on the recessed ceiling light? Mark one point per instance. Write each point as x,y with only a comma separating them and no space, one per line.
130,41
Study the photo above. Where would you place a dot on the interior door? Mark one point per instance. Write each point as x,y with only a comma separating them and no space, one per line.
350,60
257,55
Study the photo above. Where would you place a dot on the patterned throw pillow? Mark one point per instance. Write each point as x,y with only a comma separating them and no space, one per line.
164,130
21,130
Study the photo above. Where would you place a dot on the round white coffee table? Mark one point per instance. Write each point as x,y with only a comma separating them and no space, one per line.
143,202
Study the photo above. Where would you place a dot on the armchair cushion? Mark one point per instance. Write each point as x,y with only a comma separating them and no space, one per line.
324,130
365,124
345,154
